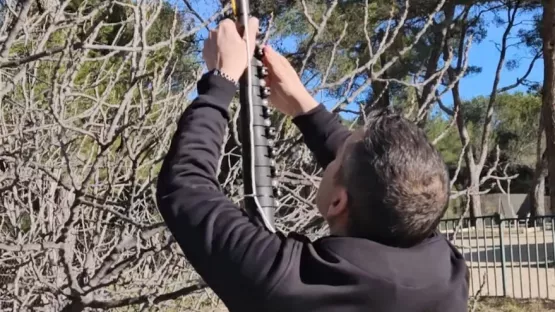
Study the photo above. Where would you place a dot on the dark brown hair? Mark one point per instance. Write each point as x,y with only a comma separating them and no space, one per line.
397,182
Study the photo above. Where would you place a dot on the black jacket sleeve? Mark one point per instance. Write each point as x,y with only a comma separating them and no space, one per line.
323,133
238,259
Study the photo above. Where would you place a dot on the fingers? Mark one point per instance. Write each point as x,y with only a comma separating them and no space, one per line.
272,58
229,29
227,24
208,50
225,39
212,35
253,27
269,57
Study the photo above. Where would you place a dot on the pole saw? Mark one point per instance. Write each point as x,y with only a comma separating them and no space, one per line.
256,131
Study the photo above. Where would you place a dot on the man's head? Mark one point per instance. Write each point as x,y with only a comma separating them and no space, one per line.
387,184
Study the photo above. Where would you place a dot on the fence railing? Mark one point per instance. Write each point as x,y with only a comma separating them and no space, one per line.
507,257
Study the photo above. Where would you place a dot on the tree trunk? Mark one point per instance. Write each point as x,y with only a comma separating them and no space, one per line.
473,169
548,94
537,204
538,200
475,201
439,43
535,199
380,92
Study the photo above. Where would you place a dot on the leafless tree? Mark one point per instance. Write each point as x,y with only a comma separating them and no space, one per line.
85,123
478,150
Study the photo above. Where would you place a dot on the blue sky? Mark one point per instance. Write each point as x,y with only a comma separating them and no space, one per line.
486,56
483,54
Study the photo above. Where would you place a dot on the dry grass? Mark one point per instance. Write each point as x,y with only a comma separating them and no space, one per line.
486,304
514,305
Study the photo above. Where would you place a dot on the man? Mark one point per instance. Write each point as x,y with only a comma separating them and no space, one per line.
383,193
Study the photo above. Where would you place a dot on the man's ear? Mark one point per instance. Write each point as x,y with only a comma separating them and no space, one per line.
338,205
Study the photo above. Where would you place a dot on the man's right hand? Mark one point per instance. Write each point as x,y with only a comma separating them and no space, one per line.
288,95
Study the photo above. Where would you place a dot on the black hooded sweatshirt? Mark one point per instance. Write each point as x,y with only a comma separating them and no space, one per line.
253,269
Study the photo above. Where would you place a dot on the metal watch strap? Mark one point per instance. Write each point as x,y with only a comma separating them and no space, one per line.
220,73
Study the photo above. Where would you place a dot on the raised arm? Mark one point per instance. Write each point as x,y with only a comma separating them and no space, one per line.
239,260
322,131
233,255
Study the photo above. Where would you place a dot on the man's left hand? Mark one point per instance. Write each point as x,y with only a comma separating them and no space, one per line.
226,50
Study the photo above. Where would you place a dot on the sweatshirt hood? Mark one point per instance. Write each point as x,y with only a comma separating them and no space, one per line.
433,263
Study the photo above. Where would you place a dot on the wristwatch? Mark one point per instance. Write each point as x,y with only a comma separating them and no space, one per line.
217,72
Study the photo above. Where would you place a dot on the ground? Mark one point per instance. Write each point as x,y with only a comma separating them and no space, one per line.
516,261
513,305
487,304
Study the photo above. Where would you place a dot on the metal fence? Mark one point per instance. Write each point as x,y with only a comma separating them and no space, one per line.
507,257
